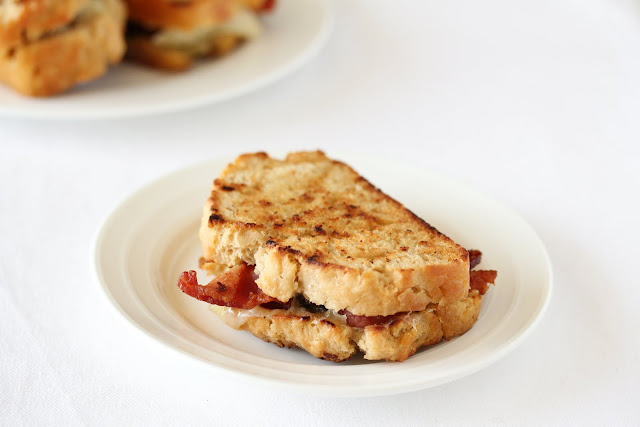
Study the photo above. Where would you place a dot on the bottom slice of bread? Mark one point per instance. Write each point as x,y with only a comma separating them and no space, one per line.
144,50
329,337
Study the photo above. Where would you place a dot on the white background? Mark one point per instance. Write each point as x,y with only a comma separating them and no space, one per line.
534,102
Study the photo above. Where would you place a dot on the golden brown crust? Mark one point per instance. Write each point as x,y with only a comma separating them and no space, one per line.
144,50
256,5
321,338
312,225
335,341
183,14
78,53
401,339
458,317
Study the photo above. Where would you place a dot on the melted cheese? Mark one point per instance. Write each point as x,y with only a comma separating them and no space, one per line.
199,41
91,10
236,317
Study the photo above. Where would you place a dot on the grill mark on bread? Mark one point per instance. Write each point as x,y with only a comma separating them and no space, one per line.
314,259
215,219
337,234
225,186
290,250
286,249
331,357
306,198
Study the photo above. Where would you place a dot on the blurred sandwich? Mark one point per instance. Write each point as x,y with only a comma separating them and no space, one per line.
172,34
309,254
48,46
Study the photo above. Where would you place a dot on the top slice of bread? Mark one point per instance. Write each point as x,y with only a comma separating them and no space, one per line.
313,226
184,14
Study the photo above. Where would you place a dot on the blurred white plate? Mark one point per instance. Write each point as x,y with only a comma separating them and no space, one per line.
294,32
152,237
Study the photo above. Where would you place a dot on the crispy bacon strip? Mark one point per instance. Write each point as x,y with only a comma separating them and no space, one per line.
480,280
357,321
475,257
268,5
277,305
235,288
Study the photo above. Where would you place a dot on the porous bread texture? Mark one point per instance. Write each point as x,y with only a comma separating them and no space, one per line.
335,341
79,51
313,226
315,334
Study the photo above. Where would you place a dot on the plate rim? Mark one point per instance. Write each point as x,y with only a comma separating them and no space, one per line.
290,66
361,390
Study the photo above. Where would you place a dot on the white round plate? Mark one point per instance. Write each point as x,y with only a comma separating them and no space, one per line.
152,237
294,32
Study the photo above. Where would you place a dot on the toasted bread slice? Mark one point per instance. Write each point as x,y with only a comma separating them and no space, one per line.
171,35
313,226
330,337
46,47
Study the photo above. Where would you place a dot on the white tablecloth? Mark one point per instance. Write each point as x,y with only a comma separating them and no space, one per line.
535,102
